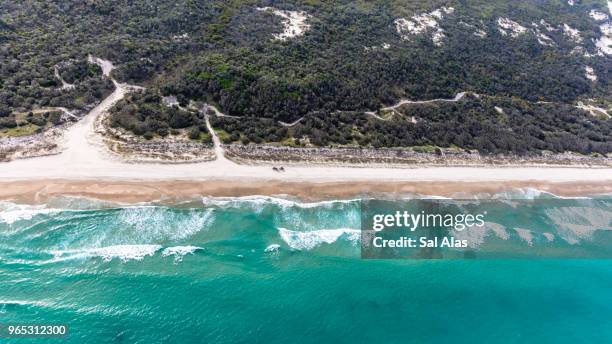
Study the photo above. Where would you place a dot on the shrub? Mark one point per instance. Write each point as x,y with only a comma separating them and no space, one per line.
194,133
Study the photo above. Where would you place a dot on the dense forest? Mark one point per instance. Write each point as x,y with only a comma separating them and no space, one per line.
527,57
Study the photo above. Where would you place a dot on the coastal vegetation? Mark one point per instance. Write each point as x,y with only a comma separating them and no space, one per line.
325,86
143,115
516,126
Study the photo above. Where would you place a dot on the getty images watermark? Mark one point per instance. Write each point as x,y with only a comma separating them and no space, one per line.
408,221
493,228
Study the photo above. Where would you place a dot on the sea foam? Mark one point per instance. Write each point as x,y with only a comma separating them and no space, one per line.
122,252
575,224
525,234
259,201
272,248
12,212
298,240
156,224
179,251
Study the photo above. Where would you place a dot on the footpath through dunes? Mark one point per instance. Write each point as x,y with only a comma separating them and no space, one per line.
216,141
80,143
80,146
457,98
403,102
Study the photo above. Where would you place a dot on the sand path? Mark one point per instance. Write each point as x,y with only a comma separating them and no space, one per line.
457,98
221,160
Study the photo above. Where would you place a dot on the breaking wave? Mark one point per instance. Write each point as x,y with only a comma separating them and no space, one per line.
11,213
179,251
260,201
122,252
298,240
272,248
575,224
110,233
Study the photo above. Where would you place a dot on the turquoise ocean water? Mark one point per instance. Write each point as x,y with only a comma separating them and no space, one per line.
277,270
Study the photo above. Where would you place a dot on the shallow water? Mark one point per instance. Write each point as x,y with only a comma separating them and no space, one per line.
264,269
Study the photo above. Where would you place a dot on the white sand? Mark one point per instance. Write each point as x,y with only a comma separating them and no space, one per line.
221,160
402,102
597,15
571,33
87,162
475,30
65,85
548,26
294,22
107,66
294,123
589,73
593,110
604,43
510,27
543,39
421,23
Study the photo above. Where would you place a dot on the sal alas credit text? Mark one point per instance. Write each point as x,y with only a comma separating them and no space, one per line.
411,221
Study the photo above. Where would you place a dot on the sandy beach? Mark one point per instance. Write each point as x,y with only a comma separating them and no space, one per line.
85,169
39,191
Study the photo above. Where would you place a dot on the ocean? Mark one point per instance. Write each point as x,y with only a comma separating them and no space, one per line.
279,270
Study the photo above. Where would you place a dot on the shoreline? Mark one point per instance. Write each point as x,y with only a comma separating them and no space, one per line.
175,191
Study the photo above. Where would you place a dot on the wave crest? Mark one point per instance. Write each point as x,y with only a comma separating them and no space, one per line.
122,252
13,212
179,251
308,240
257,200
